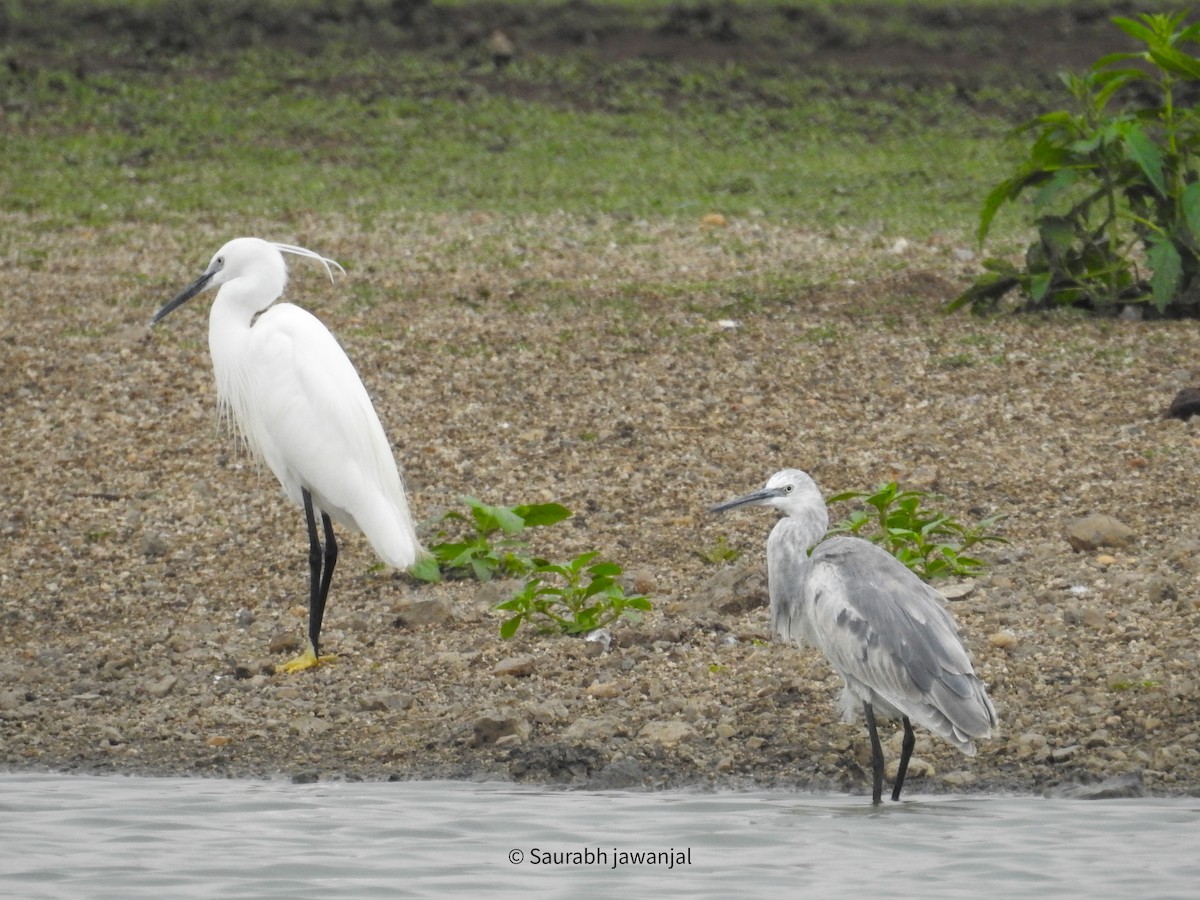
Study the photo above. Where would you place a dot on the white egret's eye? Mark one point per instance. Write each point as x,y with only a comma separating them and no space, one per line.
788,488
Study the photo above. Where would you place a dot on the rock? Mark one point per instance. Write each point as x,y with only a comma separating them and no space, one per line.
732,591
603,690
598,642
1185,405
515,666
917,768
1095,531
419,613
310,726
1161,589
595,728
284,642
1005,640
952,592
489,729
162,687
154,545
1062,754
544,712
668,732
384,701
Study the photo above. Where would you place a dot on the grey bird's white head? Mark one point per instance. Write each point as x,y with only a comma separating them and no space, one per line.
884,630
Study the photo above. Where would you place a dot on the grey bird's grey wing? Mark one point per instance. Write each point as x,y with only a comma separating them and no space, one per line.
886,631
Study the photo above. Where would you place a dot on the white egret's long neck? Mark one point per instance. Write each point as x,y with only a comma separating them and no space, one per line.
229,330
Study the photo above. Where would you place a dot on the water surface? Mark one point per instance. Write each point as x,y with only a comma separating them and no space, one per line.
121,837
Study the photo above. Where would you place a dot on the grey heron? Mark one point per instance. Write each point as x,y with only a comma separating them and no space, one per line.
884,630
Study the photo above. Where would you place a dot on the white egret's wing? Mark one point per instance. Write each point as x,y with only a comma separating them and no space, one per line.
319,430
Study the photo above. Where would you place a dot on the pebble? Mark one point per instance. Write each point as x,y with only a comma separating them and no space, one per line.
1095,531
733,590
593,728
515,666
1005,640
162,686
155,545
917,768
421,613
1062,754
958,591
284,642
490,729
667,732
309,726
603,690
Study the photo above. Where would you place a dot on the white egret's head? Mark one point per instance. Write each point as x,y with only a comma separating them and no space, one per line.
246,257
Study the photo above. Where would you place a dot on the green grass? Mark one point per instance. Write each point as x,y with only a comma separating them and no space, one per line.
261,129
255,143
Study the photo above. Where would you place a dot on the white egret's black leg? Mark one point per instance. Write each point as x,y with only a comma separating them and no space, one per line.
321,562
906,751
876,754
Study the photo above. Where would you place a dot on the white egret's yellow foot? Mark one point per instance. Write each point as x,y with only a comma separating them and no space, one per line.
306,660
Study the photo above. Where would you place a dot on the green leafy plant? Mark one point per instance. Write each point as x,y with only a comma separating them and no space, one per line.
933,544
494,546
575,597
1115,191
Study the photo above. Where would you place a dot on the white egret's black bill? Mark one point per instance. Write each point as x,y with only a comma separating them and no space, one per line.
184,296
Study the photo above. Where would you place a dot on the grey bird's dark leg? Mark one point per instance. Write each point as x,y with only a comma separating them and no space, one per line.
906,750
876,754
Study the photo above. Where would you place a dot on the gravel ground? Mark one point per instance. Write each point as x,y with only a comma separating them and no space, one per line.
152,574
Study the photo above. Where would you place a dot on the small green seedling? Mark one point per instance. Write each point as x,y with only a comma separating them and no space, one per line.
720,552
495,546
932,544
572,598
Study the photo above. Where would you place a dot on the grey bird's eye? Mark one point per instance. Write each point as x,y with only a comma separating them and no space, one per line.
789,488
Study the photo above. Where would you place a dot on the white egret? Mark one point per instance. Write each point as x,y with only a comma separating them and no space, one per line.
301,408
884,630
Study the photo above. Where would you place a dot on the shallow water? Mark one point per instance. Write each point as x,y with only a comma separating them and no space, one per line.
85,837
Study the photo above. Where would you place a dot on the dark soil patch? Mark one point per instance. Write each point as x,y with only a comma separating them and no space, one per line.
918,46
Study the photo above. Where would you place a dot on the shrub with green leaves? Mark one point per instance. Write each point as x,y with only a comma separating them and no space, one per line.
573,598
494,545
1114,186
933,544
